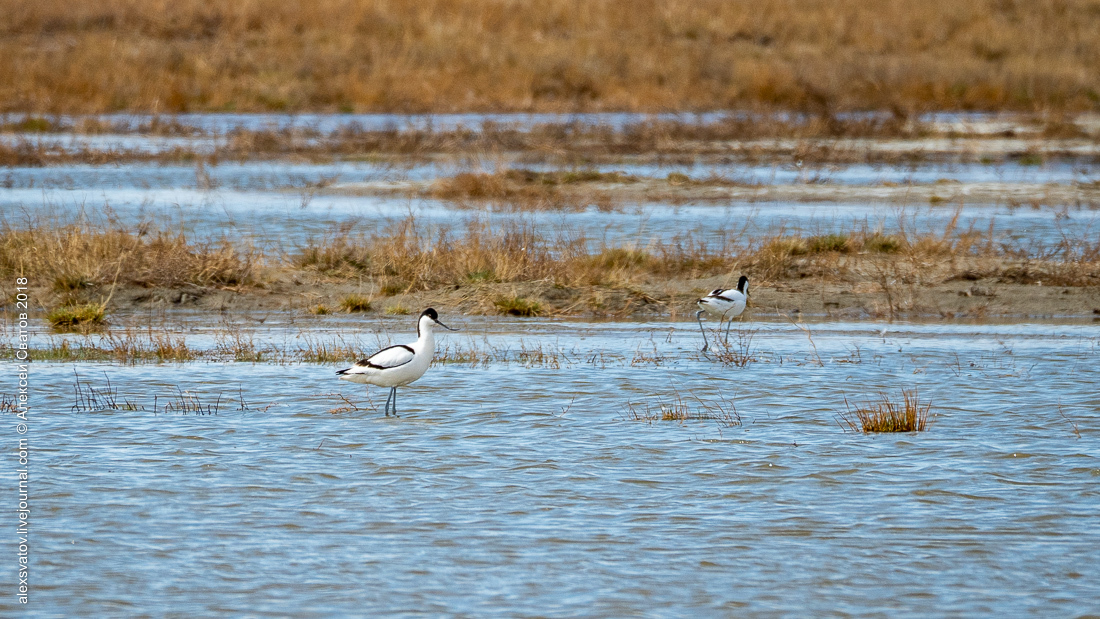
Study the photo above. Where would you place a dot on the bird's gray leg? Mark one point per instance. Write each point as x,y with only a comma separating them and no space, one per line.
699,317
388,402
395,402
728,325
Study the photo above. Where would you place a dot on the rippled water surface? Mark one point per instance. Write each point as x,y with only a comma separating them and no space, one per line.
287,217
538,477
527,488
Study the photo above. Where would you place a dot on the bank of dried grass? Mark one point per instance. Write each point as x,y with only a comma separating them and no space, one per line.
558,55
75,256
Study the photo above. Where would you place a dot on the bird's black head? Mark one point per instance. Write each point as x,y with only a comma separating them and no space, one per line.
743,284
434,317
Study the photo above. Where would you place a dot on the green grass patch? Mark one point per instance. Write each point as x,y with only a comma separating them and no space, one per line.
1030,159
678,178
882,244
78,317
36,124
517,306
480,275
840,243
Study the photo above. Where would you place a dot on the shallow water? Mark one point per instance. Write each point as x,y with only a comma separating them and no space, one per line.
264,175
525,489
274,205
522,482
222,122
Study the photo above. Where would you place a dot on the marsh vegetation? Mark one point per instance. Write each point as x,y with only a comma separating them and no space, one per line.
519,270
564,55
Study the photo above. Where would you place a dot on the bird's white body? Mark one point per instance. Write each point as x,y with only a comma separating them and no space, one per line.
725,304
395,366
399,365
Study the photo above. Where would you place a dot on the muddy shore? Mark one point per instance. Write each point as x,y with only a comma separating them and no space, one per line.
970,297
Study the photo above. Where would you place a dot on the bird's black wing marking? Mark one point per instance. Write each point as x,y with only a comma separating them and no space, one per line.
367,362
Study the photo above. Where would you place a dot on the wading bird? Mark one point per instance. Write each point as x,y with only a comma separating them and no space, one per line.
726,304
399,365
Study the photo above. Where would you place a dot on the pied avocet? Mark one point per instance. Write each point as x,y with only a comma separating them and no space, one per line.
726,304
399,365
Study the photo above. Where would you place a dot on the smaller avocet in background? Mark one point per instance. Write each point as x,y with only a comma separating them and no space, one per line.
726,304
399,365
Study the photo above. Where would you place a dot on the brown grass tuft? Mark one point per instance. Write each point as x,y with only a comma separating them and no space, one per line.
517,306
886,415
678,408
355,303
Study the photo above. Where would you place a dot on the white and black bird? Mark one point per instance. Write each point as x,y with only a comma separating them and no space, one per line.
397,366
726,304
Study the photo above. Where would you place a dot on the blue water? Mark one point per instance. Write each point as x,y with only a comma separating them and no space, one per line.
526,484
510,489
275,205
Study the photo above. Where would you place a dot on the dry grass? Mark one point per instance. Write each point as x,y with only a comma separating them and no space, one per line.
121,346
523,189
97,256
458,55
681,409
313,350
529,190
518,270
739,352
886,415
396,310
410,257
355,303
499,188
517,306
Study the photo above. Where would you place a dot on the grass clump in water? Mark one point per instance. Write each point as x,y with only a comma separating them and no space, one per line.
886,415
355,303
722,411
78,317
